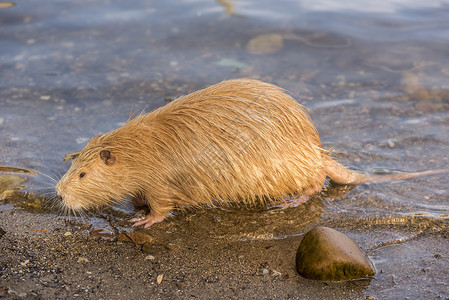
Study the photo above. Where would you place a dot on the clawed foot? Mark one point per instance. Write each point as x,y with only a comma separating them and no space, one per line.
147,221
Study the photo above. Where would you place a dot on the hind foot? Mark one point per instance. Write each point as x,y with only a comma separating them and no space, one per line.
147,221
288,202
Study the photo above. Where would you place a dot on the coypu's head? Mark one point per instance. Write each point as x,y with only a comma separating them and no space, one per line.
97,177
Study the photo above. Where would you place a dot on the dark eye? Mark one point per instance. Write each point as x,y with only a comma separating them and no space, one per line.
82,174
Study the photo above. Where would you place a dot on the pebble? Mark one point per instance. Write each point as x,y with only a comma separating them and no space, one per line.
159,278
391,143
83,260
326,254
24,263
172,246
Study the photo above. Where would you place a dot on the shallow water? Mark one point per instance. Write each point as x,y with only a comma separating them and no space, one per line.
374,78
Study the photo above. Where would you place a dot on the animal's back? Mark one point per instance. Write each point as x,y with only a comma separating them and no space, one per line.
239,140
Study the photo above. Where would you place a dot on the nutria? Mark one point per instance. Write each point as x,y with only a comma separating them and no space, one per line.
239,140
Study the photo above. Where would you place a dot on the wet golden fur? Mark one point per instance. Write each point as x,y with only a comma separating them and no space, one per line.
239,140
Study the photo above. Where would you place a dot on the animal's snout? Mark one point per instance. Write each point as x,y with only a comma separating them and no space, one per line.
58,191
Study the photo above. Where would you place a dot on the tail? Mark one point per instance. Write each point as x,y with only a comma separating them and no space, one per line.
342,175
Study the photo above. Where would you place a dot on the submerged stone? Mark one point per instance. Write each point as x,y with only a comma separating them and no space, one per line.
102,232
326,254
265,44
7,4
10,183
227,62
138,238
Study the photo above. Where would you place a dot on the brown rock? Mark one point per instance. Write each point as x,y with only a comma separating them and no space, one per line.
326,254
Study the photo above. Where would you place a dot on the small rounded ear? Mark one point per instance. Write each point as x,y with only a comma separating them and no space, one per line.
107,157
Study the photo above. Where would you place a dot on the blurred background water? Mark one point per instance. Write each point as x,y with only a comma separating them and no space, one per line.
372,74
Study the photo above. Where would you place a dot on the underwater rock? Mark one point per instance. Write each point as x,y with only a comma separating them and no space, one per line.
7,4
411,84
265,44
9,184
138,238
228,62
102,232
326,254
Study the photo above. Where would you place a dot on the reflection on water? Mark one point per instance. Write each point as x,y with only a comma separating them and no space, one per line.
7,4
374,77
10,183
386,7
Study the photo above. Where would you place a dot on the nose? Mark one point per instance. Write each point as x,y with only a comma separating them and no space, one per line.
58,192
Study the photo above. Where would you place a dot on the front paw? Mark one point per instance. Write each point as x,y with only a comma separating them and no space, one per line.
146,221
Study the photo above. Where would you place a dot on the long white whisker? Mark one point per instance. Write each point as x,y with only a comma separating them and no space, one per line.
49,177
